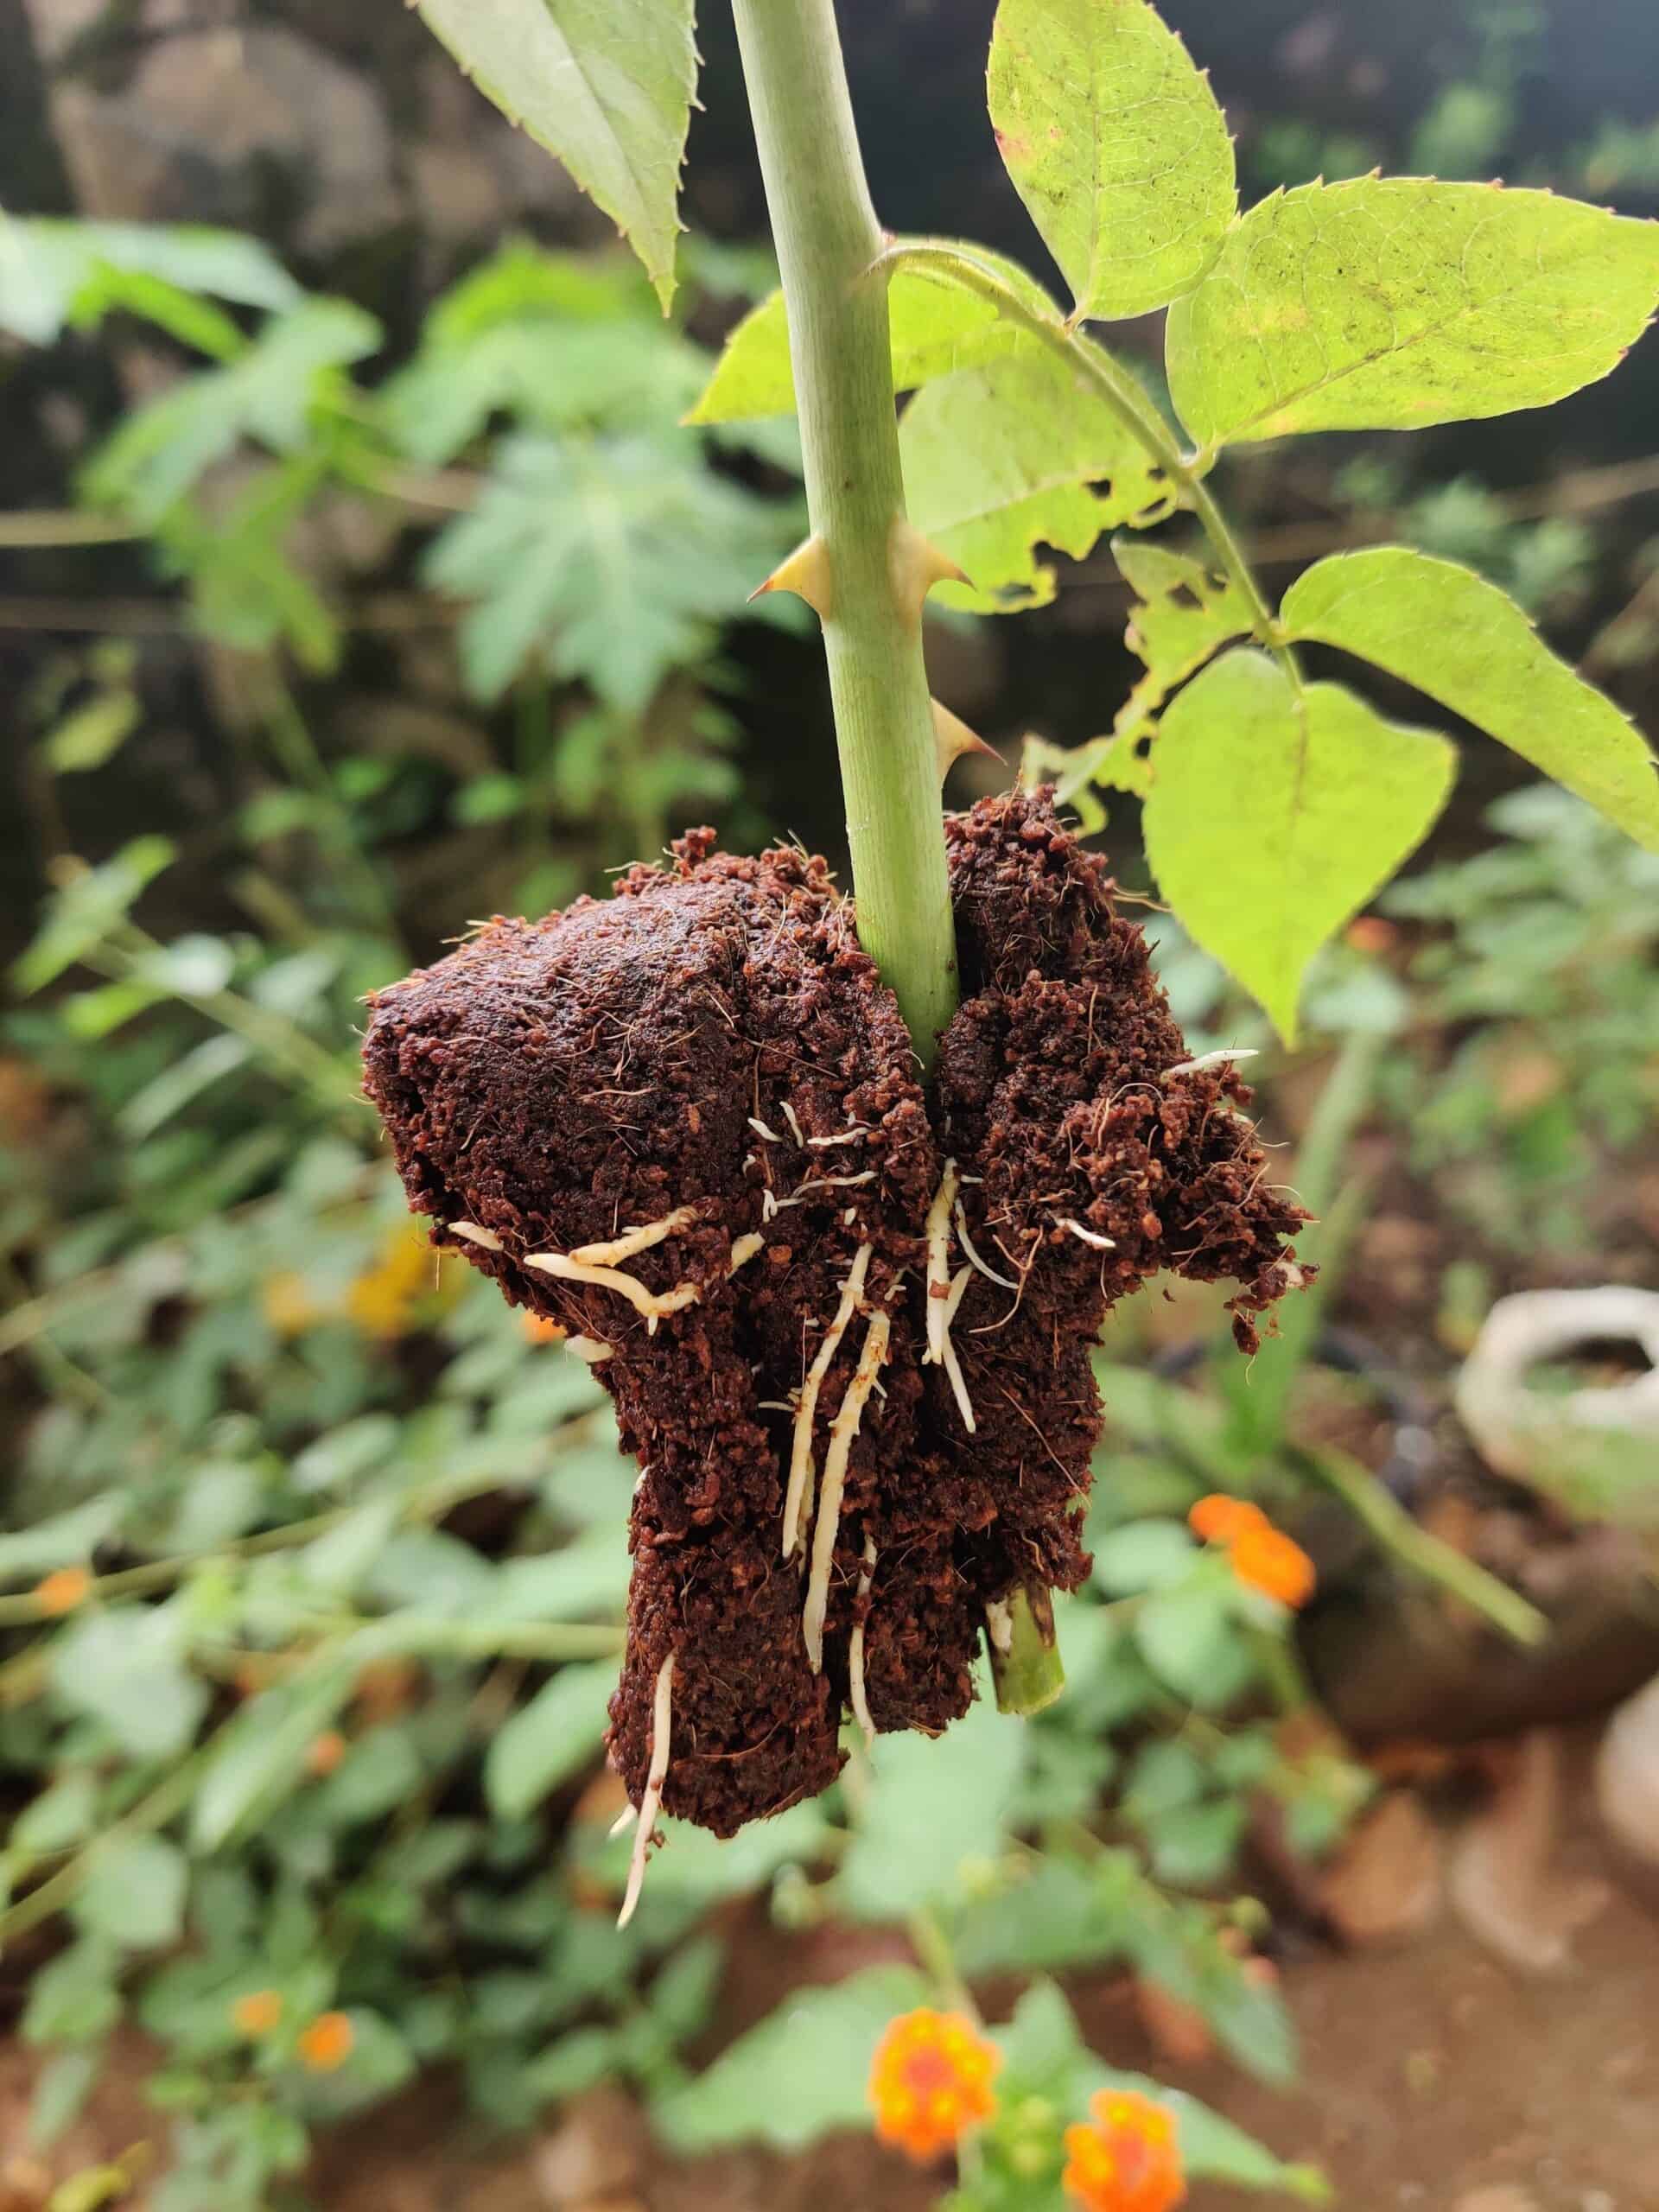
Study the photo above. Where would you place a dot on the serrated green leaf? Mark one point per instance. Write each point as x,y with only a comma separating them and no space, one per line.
1116,145
1460,638
48,264
548,1740
1393,302
936,325
1274,817
616,558
799,2075
1014,455
605,85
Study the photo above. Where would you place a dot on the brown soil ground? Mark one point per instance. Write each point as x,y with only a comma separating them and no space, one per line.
1436,2078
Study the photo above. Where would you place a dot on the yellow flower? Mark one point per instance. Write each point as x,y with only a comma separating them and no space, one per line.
327,2043
1126,2158
931,2080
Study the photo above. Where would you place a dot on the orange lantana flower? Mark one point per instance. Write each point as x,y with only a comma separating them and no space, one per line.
258,2013
541,1329
931,2080
1268,1560
62,1590
1126,2158
327,2043
324,1753
1219,1519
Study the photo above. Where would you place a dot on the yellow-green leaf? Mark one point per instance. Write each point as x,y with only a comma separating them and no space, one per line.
605,85
1465,643
1116,145
937,323
1185,612
1391,302
1018,454
1273,816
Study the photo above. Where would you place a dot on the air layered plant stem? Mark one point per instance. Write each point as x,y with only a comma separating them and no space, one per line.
826,235
865,570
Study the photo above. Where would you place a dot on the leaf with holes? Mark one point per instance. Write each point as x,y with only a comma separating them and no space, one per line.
1391,302
1117,145
605,85
1018,454
1275,816
1456,637
1186,613
937,324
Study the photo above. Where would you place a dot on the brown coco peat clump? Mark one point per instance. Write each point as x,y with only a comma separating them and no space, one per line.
846,1322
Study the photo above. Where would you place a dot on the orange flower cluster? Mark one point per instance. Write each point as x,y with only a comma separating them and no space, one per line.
540,1330
62,1590
1126,2158
327,2043
1263,1557
258,2013
930,2081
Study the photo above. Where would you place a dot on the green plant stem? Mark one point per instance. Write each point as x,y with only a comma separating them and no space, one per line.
1425,1554
826,235
1131,406
37,528
1027,1672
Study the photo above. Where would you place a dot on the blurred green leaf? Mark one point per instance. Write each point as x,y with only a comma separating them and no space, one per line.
611,560
47,265
548,1740
932,1806
134,1892
800,2074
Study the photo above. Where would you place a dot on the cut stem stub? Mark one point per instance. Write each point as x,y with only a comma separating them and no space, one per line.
1025,1663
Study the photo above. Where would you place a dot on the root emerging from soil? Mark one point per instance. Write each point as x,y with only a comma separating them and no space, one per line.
635,1115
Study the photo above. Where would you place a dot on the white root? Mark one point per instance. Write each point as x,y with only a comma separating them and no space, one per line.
589,1349
1088,1235
610,1250
1212,1060
855,1134
1004,1282
794,1126
767,1137
624,1820
999,1624
939,1262
800,1456
856,1691
952,1364
745,1249
804,1190
768,1206
651,1801
475,1235
650,1303
843,1435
